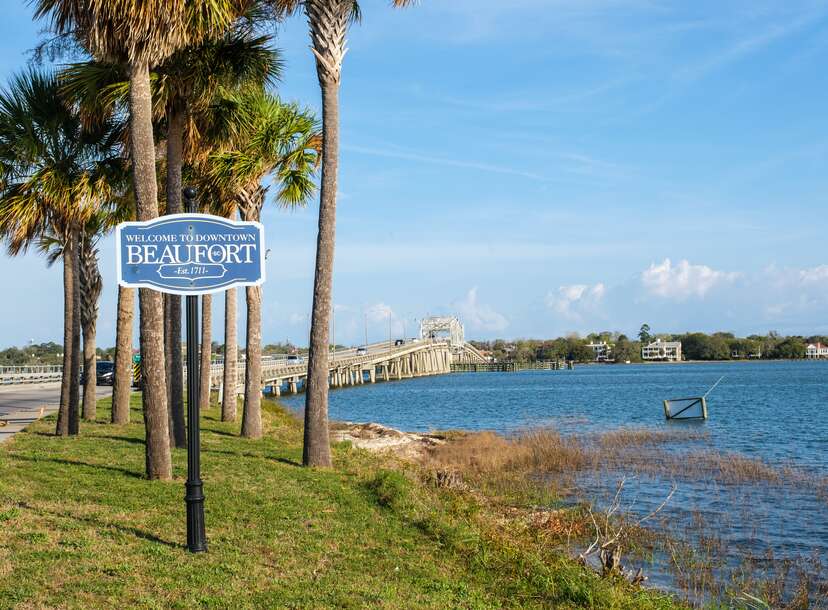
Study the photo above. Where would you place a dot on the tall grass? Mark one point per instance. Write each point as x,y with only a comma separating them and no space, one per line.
533,471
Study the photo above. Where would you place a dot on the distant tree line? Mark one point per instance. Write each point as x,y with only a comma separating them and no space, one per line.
695,346
52,353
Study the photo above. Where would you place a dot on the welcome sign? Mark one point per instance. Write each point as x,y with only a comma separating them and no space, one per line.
190,254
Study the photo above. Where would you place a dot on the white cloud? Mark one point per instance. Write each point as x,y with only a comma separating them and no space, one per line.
297,318
575,301
379,312
814,274
683,280
479,316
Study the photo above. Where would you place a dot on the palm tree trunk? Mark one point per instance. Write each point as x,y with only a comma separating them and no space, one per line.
231,355
158,464
175,372
206,349
252,414
62,428
165,298
74,380
317,448
90,399
122,377
91,286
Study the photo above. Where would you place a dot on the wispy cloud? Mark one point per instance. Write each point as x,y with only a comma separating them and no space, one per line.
441,161
746,46
478,316
526,100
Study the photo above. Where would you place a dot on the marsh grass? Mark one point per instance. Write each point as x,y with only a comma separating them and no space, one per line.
531,471
664,453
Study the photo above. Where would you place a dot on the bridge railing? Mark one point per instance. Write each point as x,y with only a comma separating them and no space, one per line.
30,374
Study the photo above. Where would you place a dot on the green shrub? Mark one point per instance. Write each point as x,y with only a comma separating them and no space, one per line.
391,488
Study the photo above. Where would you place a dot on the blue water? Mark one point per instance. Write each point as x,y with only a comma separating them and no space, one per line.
774,411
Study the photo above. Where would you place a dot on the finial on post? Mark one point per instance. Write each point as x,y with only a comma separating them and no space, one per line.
190,200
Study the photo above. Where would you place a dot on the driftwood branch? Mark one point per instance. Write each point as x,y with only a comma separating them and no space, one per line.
609,538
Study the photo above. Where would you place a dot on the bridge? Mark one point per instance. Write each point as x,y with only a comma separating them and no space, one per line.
440,345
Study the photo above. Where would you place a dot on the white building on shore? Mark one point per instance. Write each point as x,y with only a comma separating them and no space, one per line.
668,351
816,351
602,351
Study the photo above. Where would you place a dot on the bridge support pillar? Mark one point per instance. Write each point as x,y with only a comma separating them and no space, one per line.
399,365
385,373
277,387
294,387
372,374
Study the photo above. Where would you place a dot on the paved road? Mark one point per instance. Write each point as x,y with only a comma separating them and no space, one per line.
20,405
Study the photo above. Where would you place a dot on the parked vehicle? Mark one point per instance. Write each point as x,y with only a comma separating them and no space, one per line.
104,373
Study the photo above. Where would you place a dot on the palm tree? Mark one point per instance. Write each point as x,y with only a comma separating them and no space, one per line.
186,83
141,35
183,87
268,138
57,173
328,21
102,90
90,285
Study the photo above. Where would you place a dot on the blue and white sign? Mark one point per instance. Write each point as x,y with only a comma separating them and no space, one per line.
190,254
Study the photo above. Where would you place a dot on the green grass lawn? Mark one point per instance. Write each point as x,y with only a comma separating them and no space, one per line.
81,528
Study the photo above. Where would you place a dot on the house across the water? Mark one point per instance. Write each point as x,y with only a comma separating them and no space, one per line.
816,351
668,351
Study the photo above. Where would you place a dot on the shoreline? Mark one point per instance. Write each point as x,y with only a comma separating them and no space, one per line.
478,461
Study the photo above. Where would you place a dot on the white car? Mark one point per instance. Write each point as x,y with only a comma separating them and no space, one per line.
295,359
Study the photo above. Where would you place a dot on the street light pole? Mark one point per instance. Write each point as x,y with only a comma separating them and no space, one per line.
366,330
194,497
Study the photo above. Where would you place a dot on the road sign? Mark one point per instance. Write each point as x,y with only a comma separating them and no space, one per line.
190,254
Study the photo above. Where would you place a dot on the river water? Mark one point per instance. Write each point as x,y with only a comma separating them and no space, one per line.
776,412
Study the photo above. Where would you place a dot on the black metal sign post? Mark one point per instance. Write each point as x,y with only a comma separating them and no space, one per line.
196,537
191,254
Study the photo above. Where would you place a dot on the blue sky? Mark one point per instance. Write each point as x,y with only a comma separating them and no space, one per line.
546,166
